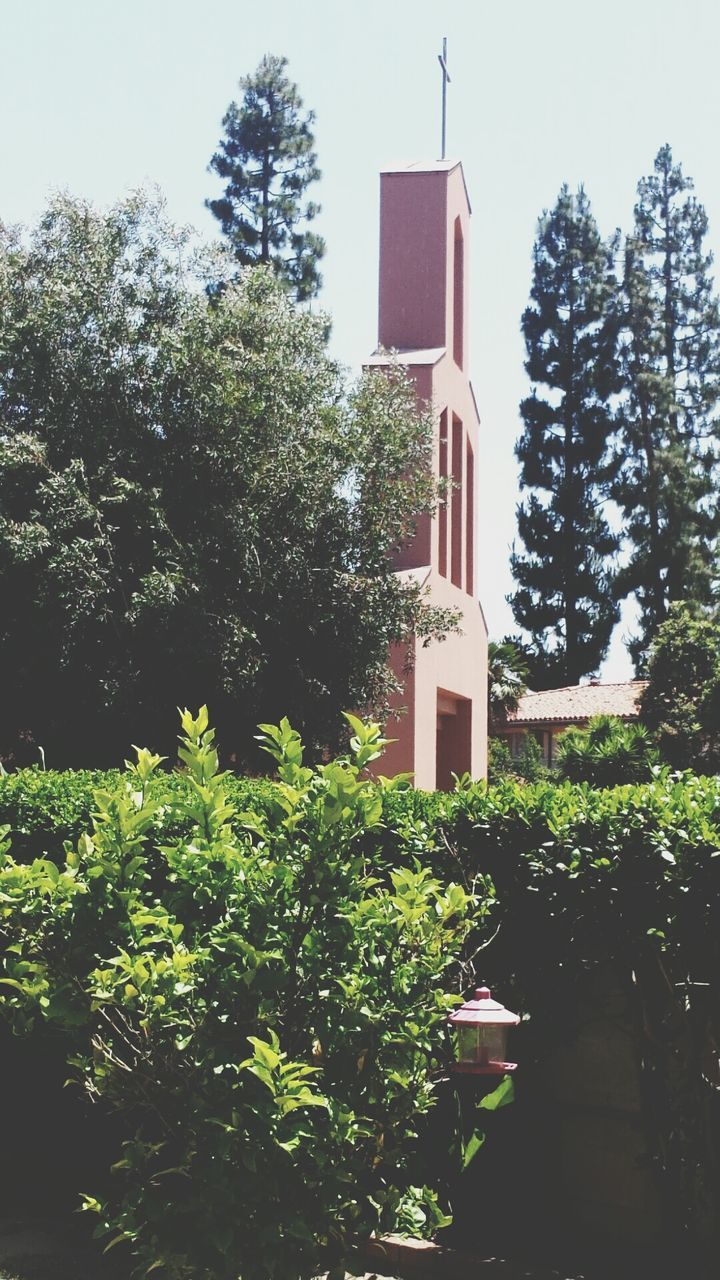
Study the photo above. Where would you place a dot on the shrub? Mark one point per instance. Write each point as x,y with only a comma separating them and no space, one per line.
527,765
262,1005
608,753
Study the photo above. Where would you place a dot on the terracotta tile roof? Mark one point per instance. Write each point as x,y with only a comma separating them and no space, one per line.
578,702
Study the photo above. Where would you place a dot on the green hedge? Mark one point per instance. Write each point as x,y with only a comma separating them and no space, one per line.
579,875
568,880
45,809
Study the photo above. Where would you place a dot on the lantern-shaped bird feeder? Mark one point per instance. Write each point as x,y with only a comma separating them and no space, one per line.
481,1026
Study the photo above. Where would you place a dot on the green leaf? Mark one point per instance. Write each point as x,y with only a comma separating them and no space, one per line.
471,1147
502,1096
122,1236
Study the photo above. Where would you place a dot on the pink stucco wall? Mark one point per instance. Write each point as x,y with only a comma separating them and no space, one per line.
423,315
413,253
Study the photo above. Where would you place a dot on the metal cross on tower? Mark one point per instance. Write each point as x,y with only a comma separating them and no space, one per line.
442,59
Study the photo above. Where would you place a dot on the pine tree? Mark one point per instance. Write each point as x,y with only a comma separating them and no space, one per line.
564,597
267,160
670,358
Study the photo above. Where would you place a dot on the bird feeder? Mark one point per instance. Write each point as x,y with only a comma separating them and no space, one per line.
481,1026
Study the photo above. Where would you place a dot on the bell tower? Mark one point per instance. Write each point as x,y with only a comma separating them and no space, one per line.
440,717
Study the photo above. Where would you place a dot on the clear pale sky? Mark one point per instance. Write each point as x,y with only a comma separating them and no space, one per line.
98,97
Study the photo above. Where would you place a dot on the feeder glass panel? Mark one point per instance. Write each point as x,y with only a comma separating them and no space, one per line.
481,1044
493,1044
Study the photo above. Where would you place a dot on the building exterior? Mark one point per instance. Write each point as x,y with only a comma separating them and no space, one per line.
440,716
547,714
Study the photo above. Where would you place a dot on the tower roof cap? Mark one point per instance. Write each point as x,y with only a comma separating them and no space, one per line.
428,166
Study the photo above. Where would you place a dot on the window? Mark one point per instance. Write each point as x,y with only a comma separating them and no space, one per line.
469,521
445,498
456,503
458,295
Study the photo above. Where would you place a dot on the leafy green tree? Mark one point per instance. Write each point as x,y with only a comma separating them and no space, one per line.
267,161
564,595
507,677
670,417
681,704
193,503
607,753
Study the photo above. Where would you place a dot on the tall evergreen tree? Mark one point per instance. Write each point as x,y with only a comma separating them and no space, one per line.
267,161
670,359
564,597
